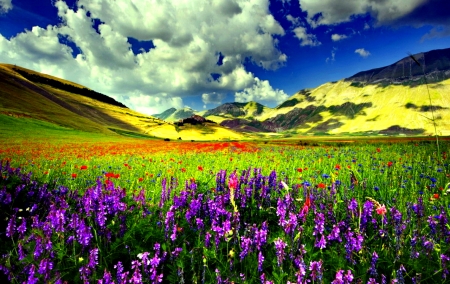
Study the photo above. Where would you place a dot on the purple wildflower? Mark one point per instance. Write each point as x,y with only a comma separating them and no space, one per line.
45,267
444,262
316,270
280,245
373,270
31,278
260,261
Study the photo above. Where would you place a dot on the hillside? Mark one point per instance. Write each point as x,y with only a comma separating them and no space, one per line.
27,97
382,101
435,64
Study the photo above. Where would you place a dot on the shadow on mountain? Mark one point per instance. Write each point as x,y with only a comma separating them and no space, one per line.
424,108
330,124
299,118
396,129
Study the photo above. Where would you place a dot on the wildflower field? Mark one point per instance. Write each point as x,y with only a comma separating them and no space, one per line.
143,211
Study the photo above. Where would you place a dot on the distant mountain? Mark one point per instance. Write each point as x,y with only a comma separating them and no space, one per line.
390,100
165,114
173,114
238,110
435,64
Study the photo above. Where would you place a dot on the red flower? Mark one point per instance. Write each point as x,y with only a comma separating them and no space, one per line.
84,167
183,170
436,196
337,167
231,159
141,179
389,164
74,175
299,170
46,173
200,168
378,150
381,210
321,185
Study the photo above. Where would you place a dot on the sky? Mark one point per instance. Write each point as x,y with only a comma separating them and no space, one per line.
152,55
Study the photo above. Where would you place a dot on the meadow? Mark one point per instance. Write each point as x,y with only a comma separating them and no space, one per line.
149,211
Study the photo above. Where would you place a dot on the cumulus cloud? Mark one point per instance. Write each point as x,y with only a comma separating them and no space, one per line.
305,38
330,12
5,6
362,52
212,98
187,36
261,91
152,104
338,37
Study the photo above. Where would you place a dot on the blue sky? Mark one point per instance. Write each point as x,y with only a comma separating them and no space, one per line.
152,55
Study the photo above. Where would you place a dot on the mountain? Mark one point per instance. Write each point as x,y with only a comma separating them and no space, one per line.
34,104
173,114
165,114
435,64
381,101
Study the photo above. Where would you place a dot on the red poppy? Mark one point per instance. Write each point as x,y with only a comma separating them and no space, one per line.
46,173
231,159
200,168
321,185
378,150
74,175
436,196
183,170
84,167
299,170
141,179
337,167
389,164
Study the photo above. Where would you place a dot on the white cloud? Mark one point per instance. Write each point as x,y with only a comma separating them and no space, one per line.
305,38
212,98
337,37
362,52
187,36
5,6
261,91
294,21
330,12
333,55
152,104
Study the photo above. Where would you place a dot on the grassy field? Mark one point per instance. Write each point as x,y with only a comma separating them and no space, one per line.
82,209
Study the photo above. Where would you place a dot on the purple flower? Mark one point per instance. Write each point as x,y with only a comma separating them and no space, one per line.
121,275
11,227
45,267
38,249
246,245
31,278
316,270
208,240
444,262
23,227
260,261
21,252
93,258
322,243
319,226
280,245
107,278
373,270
